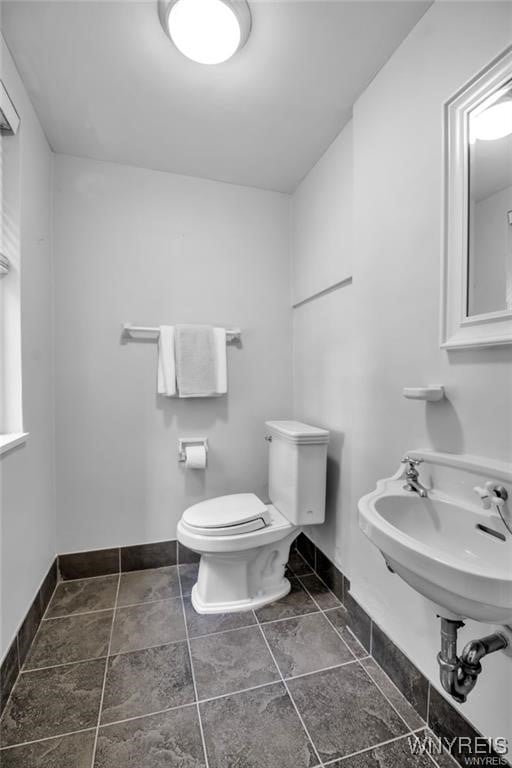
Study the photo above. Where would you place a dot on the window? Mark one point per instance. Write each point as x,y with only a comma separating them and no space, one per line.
11,417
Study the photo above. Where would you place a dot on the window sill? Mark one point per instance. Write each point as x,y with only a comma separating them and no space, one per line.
11,440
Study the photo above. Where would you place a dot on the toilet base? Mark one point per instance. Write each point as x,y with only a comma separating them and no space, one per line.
238,606
243,580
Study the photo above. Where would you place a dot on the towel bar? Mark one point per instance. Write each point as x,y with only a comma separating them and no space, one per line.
147,332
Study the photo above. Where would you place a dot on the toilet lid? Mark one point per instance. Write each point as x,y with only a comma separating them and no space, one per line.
227,511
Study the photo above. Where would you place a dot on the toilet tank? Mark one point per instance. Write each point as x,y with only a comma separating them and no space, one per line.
297,468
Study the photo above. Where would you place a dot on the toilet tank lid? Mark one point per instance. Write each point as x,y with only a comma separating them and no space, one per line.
297,432
234,509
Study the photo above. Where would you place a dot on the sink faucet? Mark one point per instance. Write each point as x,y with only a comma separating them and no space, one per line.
411,475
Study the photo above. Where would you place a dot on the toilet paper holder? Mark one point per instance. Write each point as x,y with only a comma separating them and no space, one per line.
185,442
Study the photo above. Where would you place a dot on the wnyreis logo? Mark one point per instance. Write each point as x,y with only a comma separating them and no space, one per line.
477,751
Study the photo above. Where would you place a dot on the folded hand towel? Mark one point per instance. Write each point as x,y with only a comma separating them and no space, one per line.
219,335
196,360
166,364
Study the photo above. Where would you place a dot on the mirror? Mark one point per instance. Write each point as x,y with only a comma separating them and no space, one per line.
490,205
477,258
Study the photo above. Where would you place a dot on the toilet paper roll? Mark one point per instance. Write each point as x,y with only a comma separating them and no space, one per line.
195,457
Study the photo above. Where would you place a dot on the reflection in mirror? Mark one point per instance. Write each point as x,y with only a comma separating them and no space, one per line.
490,204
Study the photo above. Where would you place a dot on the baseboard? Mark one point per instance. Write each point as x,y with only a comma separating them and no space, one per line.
20,646
103,562
444,720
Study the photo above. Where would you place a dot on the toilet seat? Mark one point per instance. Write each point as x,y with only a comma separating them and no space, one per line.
235,514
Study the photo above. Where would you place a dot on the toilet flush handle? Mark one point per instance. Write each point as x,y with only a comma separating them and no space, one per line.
268,438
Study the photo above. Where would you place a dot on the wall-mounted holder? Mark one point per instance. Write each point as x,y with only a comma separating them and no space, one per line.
431,394
149,333
193,451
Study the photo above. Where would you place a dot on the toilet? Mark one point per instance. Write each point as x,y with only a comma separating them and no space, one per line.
244,543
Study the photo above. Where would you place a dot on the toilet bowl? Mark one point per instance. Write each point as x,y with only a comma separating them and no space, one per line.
244,543
243,562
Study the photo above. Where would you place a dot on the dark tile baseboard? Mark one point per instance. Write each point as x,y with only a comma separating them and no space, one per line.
17,653
444,720
103,562
83,565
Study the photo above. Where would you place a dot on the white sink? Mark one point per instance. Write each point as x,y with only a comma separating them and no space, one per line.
436,543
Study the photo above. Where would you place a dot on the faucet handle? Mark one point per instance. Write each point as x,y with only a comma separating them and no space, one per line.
492,494
411,461
484,495
497,492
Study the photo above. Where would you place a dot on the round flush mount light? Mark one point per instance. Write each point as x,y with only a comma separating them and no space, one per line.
495,122
206,31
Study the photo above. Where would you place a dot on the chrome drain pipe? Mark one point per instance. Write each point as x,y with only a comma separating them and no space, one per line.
459,675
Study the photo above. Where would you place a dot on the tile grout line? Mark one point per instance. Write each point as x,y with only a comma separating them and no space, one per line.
46,738
198,711
78,613
120,573
236,693
149,714
287,618
21,667
340,760
87,578
322,669
306,731
102,610
366,654
105,675
386,698
323,612
222,631
392,683
65,663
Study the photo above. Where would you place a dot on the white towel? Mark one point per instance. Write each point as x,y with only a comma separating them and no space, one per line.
166,362
201,365
219,335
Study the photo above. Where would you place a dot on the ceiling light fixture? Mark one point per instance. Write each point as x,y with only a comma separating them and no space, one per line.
206,31
493,123
492,119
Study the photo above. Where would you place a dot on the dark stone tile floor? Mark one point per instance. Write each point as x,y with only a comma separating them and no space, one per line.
124,674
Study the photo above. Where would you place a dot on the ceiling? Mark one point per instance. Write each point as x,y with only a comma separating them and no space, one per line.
108,84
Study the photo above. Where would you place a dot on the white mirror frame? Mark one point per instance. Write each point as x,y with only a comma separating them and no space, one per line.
457,329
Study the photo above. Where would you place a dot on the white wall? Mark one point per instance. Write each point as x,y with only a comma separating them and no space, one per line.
27,535
391,313
323,332
322,221
155,248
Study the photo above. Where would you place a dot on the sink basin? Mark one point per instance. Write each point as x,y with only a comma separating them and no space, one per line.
446,546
